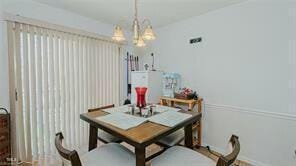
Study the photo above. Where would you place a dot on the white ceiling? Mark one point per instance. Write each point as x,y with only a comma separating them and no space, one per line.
160,12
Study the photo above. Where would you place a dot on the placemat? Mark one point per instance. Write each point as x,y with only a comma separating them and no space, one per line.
122,121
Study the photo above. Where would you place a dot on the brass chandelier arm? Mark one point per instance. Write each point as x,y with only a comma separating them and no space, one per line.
146,20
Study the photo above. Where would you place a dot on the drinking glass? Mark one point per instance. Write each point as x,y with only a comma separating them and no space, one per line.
131,109
152,109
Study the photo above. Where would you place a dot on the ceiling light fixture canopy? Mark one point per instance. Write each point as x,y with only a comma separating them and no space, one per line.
138,37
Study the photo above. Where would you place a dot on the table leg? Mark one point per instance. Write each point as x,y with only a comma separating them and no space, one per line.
140,156
161,102
199,106
188,136
172,104
190,107
93,137
199,127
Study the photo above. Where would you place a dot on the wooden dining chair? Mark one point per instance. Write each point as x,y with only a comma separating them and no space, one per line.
102,135
181,156
111,154
172,139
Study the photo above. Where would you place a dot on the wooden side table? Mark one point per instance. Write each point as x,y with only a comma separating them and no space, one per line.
190,103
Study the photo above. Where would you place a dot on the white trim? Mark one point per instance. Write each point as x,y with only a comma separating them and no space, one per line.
254,111
12,88
47,25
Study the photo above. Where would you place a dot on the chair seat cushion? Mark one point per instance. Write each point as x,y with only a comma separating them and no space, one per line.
181,156
111,154
173,139
106,137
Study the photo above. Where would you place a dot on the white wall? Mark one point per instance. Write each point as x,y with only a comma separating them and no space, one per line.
245,70
31,9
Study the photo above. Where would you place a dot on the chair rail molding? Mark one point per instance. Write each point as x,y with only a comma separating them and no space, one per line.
258,112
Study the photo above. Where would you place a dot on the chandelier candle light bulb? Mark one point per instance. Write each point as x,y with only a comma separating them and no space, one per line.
148,33
140,42
118,34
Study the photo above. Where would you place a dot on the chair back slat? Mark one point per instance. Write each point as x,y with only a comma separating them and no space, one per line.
71,156
230,158
100,108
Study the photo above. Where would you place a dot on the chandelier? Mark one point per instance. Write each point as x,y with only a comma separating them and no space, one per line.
139,37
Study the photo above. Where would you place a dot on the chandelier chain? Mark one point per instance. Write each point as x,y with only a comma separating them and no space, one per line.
136,9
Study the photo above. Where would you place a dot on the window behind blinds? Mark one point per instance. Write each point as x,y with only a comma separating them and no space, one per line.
54,77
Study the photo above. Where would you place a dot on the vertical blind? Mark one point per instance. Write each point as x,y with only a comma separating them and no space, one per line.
57,76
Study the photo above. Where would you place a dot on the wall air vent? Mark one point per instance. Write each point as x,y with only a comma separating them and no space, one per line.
195,40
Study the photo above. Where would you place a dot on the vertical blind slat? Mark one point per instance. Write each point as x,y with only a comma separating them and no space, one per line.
12,85
62,82
20,104
104,74
57,83
67,92
76,80
93,64
72,92
100,73
113,94
84,84
40,108
33,90
26,90
121,70
51,67
108,75
100,62
45,79
80,108
88,59
117,91
119,74
96,75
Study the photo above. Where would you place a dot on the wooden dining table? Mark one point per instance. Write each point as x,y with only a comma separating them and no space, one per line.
140,136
